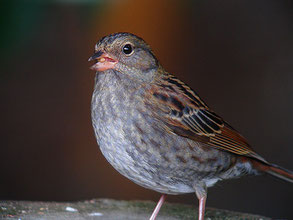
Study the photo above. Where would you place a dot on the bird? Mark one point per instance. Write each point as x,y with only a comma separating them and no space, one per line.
155,130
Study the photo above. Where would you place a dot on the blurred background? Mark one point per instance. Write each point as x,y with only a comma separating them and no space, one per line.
238,55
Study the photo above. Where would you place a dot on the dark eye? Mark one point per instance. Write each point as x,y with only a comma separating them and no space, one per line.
127,49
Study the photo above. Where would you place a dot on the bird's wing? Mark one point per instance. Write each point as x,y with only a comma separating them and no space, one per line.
189,116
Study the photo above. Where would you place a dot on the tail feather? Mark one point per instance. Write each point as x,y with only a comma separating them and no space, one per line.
280,173
274,170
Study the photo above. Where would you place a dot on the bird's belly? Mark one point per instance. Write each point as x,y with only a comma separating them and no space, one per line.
134,158
141,150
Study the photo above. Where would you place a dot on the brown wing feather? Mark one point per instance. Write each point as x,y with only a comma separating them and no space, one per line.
187,115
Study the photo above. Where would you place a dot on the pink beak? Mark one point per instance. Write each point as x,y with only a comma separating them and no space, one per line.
104,61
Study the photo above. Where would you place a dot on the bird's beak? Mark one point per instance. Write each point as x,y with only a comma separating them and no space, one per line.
103,61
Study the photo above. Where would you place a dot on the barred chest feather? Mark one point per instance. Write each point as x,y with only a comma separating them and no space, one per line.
140,149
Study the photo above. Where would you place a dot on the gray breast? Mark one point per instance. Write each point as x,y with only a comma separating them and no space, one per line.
136,145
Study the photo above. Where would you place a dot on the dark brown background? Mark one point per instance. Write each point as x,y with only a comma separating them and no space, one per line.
237,54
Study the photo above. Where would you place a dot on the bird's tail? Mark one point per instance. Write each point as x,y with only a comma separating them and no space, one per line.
280,172
274,170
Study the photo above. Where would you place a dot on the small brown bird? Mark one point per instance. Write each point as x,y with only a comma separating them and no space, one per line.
156,131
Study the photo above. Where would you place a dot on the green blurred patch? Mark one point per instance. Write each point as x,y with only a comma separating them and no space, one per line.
17,19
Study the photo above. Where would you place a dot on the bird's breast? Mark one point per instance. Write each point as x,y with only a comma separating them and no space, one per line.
116,117
137,145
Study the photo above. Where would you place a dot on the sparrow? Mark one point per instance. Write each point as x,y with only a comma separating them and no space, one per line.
156,131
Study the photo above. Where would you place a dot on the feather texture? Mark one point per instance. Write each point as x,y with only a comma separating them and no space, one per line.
189,116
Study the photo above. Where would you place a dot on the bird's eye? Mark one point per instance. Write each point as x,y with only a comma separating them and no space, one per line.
127,49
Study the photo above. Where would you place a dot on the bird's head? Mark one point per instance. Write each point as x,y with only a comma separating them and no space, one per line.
126,53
